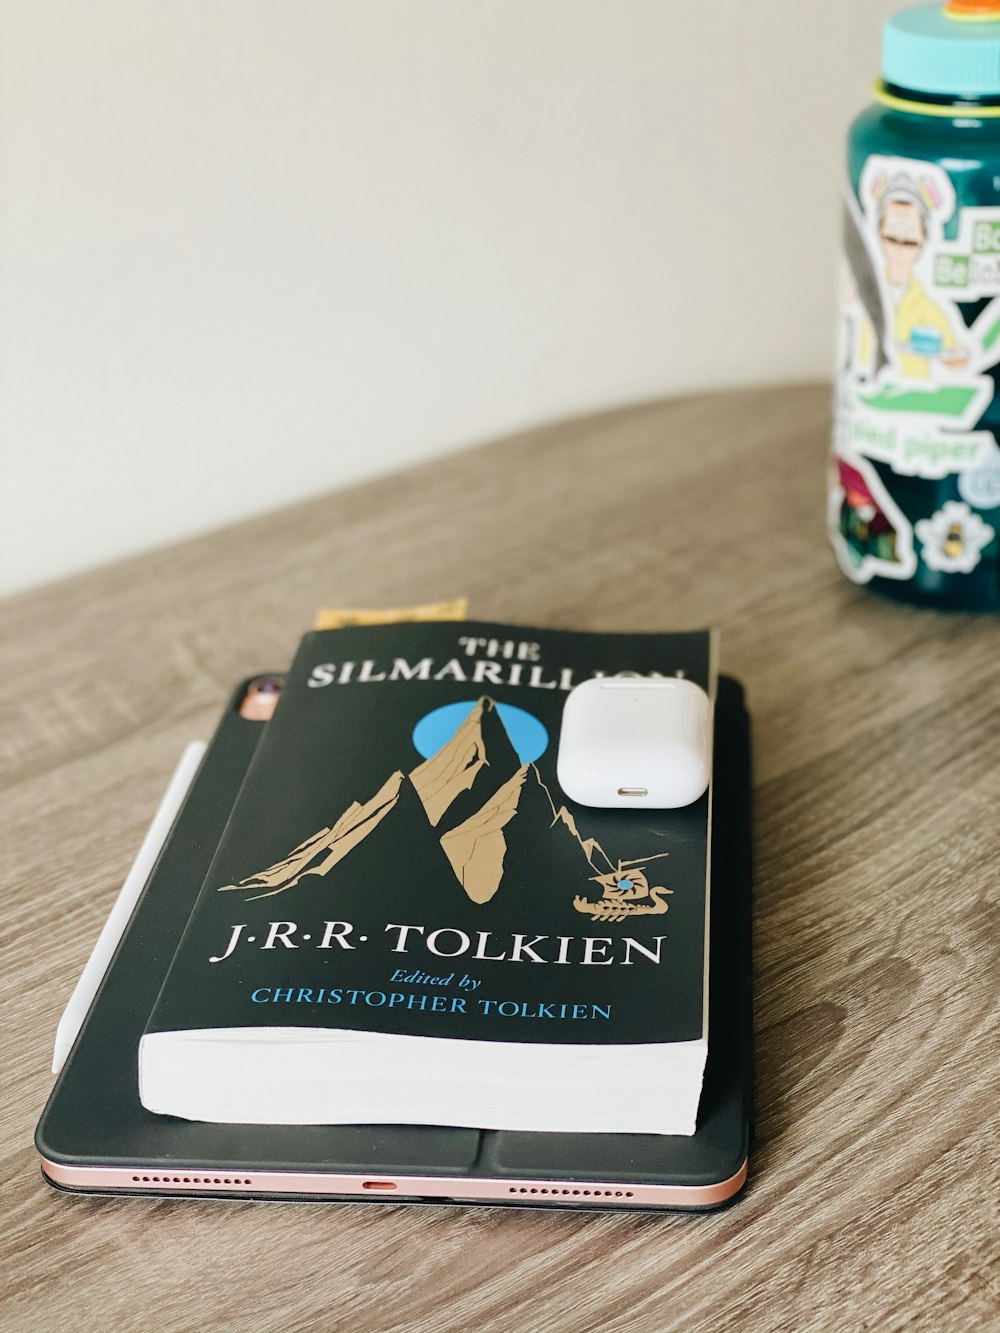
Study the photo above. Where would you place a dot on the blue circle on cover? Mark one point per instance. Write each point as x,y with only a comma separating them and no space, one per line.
527,735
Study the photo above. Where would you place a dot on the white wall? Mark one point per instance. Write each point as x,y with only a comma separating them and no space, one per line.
253,249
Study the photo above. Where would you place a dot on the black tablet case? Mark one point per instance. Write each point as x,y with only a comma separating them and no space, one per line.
94,1118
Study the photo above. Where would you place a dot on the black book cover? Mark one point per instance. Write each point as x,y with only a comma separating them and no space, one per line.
402,860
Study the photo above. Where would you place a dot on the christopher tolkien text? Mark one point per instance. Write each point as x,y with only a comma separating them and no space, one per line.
437,1004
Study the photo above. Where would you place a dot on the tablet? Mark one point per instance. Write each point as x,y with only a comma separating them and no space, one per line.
94,1136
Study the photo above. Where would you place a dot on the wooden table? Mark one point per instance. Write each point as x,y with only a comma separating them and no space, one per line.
872,1198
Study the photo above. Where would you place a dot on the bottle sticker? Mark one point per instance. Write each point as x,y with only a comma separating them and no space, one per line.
867,530
952,540
981,485
911,376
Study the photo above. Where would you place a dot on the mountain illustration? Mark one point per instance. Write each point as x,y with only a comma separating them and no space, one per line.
489,814
469,769
320,853
477,847
501,840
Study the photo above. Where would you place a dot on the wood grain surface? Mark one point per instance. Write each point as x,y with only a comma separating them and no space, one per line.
874,1179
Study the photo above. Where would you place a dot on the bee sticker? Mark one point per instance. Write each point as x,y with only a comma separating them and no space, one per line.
953,538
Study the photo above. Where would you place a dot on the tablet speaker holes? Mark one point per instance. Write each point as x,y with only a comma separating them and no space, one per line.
202,1182
571,1193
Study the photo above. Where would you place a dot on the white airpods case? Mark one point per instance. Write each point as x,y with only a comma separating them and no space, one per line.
636,742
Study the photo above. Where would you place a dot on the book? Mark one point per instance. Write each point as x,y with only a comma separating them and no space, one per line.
406,922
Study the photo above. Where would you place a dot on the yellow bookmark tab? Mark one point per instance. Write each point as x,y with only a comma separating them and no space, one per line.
455,609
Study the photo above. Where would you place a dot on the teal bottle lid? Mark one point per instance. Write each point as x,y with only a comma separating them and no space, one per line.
945,50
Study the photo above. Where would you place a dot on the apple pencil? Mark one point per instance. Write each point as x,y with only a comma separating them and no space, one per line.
97,964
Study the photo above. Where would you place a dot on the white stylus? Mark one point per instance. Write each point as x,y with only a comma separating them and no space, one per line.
97,964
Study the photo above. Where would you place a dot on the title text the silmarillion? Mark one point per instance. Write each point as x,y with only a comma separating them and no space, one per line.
507,662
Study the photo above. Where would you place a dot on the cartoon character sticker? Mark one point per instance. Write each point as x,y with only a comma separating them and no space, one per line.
869,533
914,354
952,540
904,207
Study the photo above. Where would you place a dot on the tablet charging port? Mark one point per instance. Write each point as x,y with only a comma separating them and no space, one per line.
378,1185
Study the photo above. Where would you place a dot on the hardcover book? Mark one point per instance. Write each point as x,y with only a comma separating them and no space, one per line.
407,922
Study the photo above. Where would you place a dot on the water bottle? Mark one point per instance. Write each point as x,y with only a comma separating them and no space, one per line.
914,485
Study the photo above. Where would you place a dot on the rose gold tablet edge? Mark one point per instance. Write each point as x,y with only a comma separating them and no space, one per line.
184,1180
